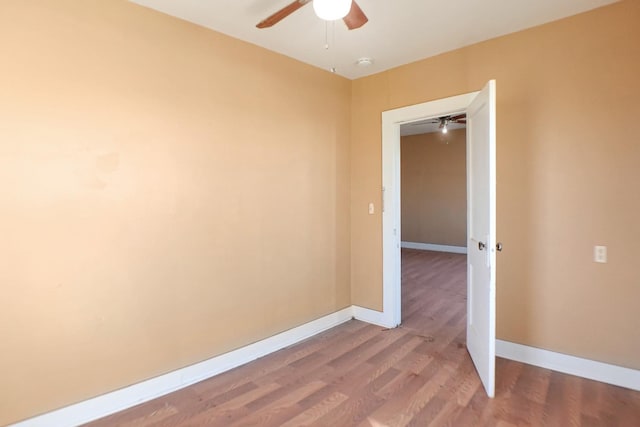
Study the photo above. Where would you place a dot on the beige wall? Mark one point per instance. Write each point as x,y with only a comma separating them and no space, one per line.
167,193
568,155
434,188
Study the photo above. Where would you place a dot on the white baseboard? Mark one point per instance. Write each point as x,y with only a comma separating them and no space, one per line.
106,404
432,247
372,316
591,369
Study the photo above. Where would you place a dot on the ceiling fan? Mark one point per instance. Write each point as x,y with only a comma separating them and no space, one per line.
444,121
353,18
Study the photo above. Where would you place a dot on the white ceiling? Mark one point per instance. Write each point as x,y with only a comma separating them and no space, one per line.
398,31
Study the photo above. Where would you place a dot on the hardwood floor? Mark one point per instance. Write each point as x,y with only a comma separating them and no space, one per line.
418,374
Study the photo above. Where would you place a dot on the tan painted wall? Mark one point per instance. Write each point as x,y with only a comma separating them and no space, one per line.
568,177
434,188
166,194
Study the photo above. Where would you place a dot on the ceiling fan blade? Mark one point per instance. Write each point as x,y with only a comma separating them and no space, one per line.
356,17
458,117
282,13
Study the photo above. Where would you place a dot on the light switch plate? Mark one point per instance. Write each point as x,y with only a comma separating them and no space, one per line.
600,254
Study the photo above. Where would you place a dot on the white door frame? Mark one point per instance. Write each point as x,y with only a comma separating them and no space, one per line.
391,262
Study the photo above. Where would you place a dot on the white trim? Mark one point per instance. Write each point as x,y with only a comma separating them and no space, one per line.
372,316
585,368
434,247
391,121
118,400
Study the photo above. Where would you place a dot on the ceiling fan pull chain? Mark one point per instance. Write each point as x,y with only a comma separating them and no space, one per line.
333,45
328,45
326,35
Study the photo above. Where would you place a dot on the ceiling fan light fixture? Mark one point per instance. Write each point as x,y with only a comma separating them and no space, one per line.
330,10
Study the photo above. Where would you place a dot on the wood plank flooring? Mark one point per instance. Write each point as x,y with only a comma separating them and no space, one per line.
417,375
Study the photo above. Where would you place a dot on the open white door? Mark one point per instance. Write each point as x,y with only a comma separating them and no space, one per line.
481,246
480,108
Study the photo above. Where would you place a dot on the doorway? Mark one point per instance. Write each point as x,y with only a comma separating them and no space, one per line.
434,228
480,108
392,120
